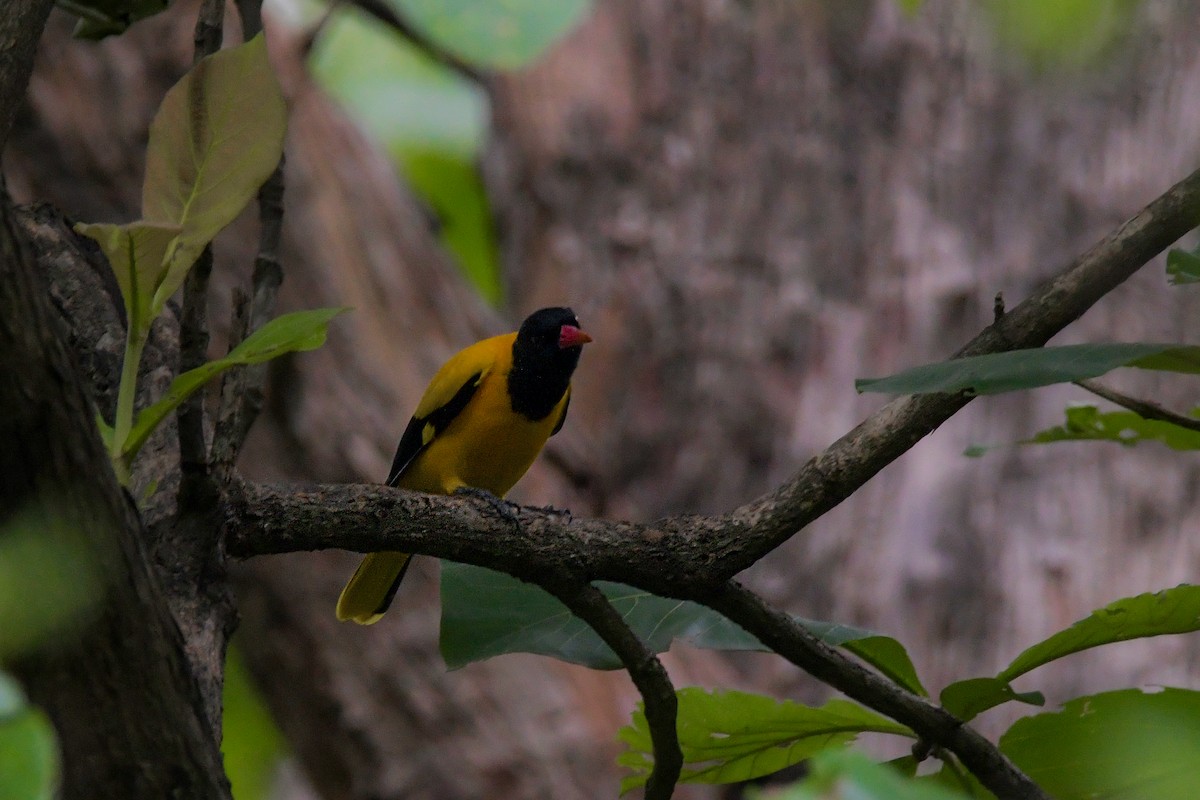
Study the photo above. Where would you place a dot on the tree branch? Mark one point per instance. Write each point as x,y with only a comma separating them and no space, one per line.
130,717
797,644
193,325
683,555
661,706
20,28
1142,408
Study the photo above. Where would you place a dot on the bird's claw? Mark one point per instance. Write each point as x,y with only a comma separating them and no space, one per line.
504,509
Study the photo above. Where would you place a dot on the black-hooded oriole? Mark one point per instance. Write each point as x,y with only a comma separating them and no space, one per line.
481,422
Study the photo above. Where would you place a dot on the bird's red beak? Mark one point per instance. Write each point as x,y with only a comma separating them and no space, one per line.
570,336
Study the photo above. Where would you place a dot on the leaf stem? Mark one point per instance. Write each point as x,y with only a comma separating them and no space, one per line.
126,395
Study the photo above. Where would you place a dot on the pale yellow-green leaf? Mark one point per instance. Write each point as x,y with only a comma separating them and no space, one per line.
135,252
216,138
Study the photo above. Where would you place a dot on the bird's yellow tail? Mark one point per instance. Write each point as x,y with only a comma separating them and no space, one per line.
371,589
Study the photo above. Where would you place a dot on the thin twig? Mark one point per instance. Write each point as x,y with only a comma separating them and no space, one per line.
250,12
193,351
226,441
210,23
797,644
193,325
1143,408
590,605
386,14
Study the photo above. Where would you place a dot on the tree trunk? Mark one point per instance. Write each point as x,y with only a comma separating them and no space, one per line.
750,205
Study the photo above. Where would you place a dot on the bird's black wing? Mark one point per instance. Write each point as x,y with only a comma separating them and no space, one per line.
563,416
421,430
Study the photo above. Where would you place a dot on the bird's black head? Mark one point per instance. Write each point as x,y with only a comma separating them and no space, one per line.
545,353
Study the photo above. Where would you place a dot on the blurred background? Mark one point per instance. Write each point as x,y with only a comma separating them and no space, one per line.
749,203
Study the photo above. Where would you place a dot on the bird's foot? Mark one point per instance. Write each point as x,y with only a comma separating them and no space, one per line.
504,509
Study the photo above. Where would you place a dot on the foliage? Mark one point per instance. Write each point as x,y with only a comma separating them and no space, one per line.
251,743
50,579
1028,369
1122,745
849,774
29,760
1183,266
101,18
216,138
432,121
496,34
731,736
487,613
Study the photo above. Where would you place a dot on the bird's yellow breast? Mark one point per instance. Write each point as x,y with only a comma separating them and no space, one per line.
487,446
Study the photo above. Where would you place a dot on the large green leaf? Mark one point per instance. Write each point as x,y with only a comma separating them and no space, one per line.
729,736
487,613
216,138
969,698
298,331
29,761
504,34
1123,745
1027,369
851,775
136,252
1174,610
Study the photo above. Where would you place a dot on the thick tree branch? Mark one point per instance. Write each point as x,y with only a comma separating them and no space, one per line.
797,644
692,557
590,605
684,555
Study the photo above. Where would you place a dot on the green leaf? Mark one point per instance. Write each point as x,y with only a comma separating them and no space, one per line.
1064,33
969,698
298,331
216,138
504,34
487,613
251,744
50,579
1183,267
1123,745
29,761
853,776
452,187
1028,369
101,18
433,123
910,7
1174,610
1087,423
136,253
729,736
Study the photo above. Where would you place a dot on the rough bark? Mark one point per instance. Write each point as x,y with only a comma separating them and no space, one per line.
122,695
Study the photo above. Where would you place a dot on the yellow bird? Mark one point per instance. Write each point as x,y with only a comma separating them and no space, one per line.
482,421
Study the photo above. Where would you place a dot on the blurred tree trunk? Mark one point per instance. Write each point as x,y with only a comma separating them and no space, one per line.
749,204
